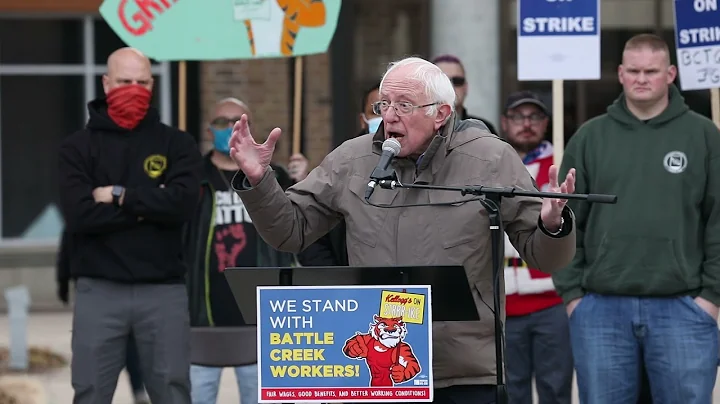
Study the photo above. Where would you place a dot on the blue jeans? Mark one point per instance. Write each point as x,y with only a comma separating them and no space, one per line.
676,340
538,345
205,383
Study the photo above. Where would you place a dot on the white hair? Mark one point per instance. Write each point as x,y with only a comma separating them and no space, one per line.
437,84
233,100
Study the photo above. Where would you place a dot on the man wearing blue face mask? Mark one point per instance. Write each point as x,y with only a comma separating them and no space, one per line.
369,122
222,235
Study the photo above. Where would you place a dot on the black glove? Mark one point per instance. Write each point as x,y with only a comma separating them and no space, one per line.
63,291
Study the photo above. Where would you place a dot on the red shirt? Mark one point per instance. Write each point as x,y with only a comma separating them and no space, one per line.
529,290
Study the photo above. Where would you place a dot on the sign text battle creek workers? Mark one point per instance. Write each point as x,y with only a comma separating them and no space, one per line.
697,38
344,344
558,39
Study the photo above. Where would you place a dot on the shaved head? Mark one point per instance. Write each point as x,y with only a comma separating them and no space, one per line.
127,66
647,41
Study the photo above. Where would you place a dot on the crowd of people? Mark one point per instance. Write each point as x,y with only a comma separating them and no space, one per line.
624,296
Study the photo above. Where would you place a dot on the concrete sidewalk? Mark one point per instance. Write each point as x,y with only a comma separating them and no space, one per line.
52,330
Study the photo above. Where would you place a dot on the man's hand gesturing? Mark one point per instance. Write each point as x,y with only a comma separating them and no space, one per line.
252,158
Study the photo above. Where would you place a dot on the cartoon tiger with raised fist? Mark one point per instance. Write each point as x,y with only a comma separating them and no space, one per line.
388,357
278,33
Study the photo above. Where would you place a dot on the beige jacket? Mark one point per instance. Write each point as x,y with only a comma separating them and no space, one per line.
464,153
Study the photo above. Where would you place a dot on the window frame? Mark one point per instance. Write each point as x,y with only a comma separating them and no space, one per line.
88,70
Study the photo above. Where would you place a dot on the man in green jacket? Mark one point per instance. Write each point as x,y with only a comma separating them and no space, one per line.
644,286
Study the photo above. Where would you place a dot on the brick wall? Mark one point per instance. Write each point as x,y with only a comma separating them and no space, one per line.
318,108
262,84
83,6
266,86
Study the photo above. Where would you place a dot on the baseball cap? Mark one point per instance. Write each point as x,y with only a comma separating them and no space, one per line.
525,97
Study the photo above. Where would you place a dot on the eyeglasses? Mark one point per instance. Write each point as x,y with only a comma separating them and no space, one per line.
401,108
519,119
458,81
222,122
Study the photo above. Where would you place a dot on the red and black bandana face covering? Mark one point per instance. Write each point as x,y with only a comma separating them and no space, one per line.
128,105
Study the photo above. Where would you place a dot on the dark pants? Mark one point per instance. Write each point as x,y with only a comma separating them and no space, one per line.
538,345
132,363
484,394
105,315
675,339
470,394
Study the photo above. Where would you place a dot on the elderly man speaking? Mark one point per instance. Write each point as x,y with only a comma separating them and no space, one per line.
416,104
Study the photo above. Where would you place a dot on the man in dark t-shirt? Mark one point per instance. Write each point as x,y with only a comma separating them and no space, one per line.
234,243
220,236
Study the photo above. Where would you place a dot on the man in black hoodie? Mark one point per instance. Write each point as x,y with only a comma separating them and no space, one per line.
127,185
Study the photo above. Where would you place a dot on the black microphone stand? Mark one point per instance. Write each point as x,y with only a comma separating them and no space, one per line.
491,203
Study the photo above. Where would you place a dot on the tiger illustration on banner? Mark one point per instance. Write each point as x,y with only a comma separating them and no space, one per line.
383,348
273,25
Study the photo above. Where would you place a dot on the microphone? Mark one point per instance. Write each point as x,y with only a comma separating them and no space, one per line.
390,149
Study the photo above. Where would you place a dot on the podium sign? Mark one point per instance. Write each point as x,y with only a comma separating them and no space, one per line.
344,344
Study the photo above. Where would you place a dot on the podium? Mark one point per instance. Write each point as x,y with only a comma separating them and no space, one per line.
452,299
451,295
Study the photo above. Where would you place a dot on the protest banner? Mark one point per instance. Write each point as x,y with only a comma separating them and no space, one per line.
558,40
697,42
344,344
182,30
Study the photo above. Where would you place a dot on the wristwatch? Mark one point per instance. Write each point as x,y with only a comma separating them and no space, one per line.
117,192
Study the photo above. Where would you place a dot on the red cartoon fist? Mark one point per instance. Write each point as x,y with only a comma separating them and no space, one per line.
356,349
397,373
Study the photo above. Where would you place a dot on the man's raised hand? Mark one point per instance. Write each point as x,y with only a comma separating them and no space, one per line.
252,158
551,211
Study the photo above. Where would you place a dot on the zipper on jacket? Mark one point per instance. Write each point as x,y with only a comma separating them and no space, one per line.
208,247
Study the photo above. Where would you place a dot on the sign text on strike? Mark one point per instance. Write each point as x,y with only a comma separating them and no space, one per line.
705,35
558,24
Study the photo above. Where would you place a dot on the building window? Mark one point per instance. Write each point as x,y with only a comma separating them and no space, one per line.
46,81
106,42
42,41
37,113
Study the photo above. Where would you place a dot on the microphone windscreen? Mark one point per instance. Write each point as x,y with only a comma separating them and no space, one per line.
391,145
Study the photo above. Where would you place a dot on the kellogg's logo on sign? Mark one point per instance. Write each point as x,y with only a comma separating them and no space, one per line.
409,306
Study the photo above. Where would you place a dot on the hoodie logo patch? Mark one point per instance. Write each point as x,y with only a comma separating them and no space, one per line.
155,165
675,162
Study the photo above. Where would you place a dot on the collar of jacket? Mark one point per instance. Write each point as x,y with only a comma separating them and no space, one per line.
449,137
